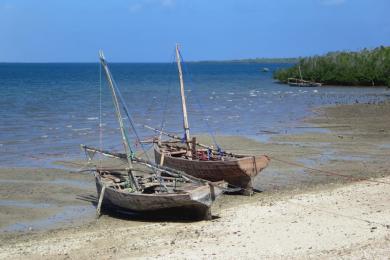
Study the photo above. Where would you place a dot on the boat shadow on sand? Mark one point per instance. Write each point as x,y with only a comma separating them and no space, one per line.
167,215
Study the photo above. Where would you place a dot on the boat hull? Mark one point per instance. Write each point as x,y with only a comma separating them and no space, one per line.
198,200
238,172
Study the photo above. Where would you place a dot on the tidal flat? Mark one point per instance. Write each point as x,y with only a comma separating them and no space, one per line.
325,194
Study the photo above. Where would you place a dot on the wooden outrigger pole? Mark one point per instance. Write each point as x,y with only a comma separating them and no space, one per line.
183,102
125,141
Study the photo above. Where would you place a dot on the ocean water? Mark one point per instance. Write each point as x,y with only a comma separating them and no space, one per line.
48,110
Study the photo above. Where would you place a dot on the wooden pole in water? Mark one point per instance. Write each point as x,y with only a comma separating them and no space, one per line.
126,145
300,72
183,102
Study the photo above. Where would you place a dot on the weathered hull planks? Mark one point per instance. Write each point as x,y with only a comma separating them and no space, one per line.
238,172
198,199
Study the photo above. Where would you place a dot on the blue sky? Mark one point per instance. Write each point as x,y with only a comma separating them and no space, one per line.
146,30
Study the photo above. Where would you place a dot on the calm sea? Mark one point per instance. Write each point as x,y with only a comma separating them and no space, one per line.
47,110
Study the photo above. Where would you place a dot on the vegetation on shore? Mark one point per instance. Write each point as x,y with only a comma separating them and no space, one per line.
363,68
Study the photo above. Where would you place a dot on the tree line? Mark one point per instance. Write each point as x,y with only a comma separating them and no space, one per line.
369,67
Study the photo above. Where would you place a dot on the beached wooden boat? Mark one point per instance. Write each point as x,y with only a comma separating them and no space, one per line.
142,185
175,193
295,82
237,170
156,194
205,161
160,188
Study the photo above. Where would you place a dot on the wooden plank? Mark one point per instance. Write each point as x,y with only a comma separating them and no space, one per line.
103,190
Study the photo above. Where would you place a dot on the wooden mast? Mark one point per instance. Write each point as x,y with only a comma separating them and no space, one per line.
125,141
183,102
300,72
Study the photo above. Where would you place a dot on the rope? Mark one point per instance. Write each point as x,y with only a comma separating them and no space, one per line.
144,152
126,110
165,110
342,215
100,112
327,172
153,105
201,109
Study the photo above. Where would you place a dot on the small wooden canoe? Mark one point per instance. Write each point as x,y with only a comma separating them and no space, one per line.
180,195
237,170
294,82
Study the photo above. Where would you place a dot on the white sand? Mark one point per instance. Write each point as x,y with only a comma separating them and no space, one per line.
349,221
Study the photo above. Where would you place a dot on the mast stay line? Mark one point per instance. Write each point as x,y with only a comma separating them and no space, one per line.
179,138
125,140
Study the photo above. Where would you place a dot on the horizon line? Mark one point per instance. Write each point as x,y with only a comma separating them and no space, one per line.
144,62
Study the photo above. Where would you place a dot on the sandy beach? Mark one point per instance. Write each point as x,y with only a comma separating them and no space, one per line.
172,129
325,194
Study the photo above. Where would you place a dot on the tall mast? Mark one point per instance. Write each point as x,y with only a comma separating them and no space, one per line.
183,101
125,141
300,72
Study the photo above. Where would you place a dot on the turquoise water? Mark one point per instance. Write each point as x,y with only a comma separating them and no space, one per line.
47,110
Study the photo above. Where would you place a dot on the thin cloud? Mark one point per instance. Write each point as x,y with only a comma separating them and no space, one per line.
167,3
332,2
146,4
135,7
6,6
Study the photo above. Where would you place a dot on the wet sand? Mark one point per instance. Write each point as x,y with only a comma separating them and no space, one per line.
299,213
37,199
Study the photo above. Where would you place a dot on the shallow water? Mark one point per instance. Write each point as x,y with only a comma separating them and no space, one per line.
63,182
47,110
64,216
24,204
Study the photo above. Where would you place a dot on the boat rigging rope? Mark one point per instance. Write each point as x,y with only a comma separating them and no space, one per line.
201,109
132,124
342,215
165,109
145,151
100,112
352,178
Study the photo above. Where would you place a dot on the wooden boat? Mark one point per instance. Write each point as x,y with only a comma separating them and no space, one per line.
168,191
294,82
144,186
179,194
237,170
205,161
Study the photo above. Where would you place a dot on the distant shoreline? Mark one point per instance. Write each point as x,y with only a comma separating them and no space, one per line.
333,85
255,60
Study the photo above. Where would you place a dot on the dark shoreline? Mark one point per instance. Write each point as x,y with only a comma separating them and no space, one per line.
331,85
